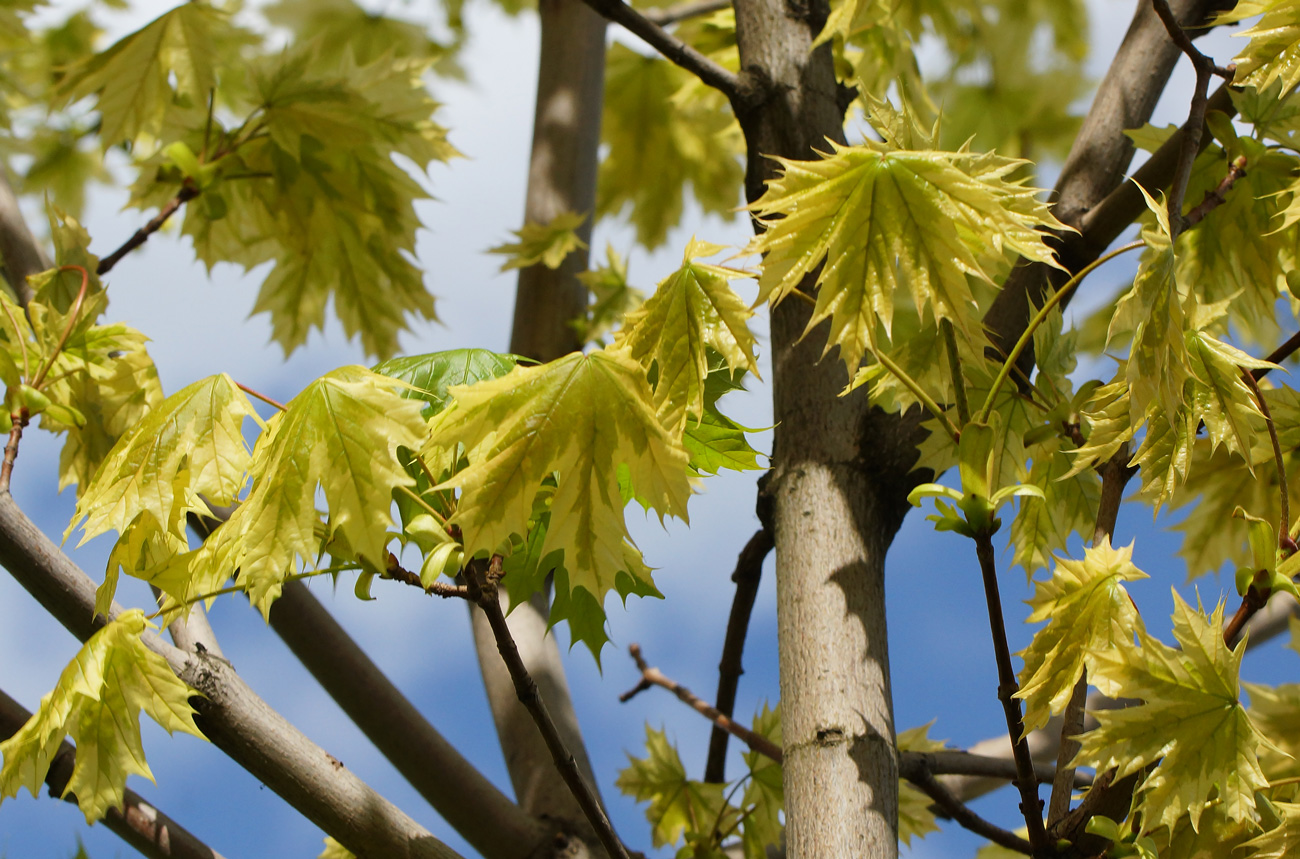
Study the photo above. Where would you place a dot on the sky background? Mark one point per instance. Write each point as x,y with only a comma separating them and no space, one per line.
941,659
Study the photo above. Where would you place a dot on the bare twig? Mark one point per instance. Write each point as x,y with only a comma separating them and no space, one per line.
747,575
138,822
740,90
482,579
398,573
1218,195
21,418
651,676
956,810
187,192
961,763
1026,782
682,11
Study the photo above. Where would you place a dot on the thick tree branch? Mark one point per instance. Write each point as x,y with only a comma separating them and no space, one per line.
953,808
747,575
230,714
482,579
138,823
20,255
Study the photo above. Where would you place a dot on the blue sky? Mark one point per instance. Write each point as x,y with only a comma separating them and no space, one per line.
939,641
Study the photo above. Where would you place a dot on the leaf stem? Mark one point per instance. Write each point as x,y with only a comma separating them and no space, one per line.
263,397
1027,335
1284,525
22,341
954,368
239,589
425,505
1026,782
67,328
919,392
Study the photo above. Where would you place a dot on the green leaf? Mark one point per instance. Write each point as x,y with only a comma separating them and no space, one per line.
583,417
764,796
1223,400
432,375
881,217
1068,506
678,806
133,78
915,819
612,298
98,700
1190,725
341,27
543,244
660,142
1087,611
692,310
327,437
1281,841
1274,47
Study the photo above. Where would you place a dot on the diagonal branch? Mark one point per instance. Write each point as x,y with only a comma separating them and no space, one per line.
951,806
230,714
138,823
689,9
748,574
20,255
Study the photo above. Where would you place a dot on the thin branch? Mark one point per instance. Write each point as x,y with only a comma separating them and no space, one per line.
482,584
962,763
1218,195
187,192
957,811
20,419
398,573
1278,355
747,575
230,714
1026,782
1194,127
682,11
741,91
138,822
651,676
263,397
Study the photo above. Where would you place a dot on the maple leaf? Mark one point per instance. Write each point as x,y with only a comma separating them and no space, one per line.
1190,725
132,79
1282,840
879,218
612,298
430,377
1068,506
1222,399
1275,710
1274,43
98,700
692,310
688,141
678,805
585,418
543,244
340,433
1087,610
764,795
340,27
915,819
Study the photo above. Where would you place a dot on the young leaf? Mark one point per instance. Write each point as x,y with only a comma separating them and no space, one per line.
543,244
1274,43
1190,724
98,701
692,310
431,376
612,298
1087,610
882,217
583,417
341,434
764,796
1068,506
678,805
915,819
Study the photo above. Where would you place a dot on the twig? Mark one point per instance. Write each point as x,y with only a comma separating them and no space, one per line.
1194,127
398,573
748,574
187,192
482,585
21,419
741,91
682,11
963,763
651,676
1218,195
956,810
1026,782
263,397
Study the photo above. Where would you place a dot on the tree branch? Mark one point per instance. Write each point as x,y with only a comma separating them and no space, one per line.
690,9
482,581
740,90
954,809
20,255
230,714
747,575
138,823
187,192
654,677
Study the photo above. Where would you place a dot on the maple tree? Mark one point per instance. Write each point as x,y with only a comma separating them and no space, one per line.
915,279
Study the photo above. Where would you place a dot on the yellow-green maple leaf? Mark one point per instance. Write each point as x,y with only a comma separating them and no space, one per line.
1280,842
585,418
98,701
691,309
1087,610
545,244
190,444
678,805
133,78
764,796
1221,399
1275,710
1190,724
1274,49
915,819
1068,506
881,218
340,433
